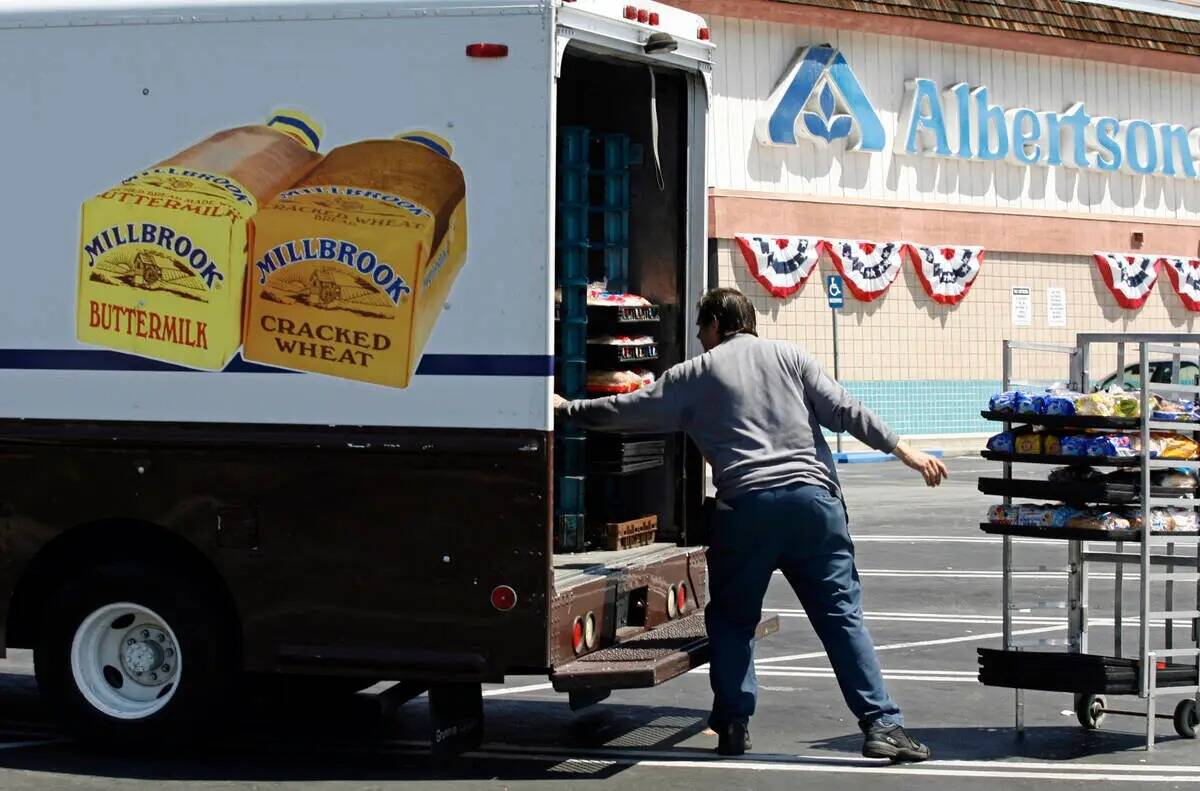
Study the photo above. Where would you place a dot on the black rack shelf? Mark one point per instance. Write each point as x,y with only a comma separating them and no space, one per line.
1061,533
1089,674
1099,492
1065,421
618,315
1064,461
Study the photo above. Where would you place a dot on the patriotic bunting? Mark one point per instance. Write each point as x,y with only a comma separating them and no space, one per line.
781,264
1130,278
869,268
946,272
1184,274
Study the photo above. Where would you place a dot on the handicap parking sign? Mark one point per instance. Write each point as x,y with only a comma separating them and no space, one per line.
835,291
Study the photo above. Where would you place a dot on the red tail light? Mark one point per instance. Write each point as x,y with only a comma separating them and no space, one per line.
643,16
487,50
577,636
504,598
704,35
631,12
681,598
654,18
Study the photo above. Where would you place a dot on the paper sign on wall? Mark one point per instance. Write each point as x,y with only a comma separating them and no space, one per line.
1056,307
1022,307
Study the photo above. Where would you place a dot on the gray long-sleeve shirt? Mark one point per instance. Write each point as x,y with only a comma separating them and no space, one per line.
755,409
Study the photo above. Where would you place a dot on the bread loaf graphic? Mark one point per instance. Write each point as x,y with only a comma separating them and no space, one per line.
163,254
353,264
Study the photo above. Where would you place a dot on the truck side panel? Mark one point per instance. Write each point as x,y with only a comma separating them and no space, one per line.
115,99
343,551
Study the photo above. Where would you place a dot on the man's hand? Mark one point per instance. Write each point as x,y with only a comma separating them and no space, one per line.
933,469
559,402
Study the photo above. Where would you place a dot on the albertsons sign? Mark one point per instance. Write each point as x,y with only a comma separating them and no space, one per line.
820,100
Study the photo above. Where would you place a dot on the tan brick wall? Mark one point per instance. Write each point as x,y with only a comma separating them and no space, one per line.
905,335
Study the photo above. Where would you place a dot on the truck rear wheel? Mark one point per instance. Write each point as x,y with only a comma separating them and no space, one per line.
130,655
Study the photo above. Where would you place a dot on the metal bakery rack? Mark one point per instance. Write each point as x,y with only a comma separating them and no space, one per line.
1165,588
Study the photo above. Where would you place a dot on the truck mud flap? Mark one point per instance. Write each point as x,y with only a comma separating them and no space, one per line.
646,660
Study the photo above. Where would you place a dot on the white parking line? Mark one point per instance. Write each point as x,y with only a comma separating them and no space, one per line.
984,539
971,619
977,574
918,644
751,763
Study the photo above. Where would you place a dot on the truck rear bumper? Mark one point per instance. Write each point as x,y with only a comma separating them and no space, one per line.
648,659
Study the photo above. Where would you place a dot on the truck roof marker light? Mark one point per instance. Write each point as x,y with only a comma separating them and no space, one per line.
485,50
504,598
631,12
654,18
643,16
577,636
704,34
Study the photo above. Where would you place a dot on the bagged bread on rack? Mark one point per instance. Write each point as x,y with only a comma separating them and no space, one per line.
1004,403
1109,404
1003,514
1110,445
1095,519
1061,403
617,382
1172,520
1075,445
1167,410
1174,479
1030,404
353,265
1172,446
1004,442
163,255
1029,444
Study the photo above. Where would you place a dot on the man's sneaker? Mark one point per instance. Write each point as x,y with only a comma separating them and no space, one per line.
734,739
892,741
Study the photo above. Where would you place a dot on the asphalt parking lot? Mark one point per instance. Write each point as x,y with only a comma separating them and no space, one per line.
932,596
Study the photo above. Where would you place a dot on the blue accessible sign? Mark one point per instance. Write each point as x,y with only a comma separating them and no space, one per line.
835,291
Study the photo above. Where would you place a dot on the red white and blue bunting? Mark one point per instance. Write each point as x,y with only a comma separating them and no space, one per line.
946,273
869,268
1184,274
1130,278
781,264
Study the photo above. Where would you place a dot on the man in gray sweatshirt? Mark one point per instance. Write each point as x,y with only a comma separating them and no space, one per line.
755,408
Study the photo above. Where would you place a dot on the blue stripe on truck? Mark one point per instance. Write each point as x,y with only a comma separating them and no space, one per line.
106,360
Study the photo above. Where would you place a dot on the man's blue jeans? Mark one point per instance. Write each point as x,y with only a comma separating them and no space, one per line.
800,530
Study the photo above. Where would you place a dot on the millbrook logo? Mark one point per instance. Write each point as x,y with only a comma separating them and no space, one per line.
820,99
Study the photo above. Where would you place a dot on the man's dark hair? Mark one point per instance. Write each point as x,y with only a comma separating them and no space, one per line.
731,309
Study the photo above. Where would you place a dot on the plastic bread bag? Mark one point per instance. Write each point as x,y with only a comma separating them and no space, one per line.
1030,404
1062,404
1005,403
1176,446
1031,515
1098,520
1004,442
1174,479
1002,514
1172,520
1075,445
1051,445
1058,516
1112,445
1029,444
1096,404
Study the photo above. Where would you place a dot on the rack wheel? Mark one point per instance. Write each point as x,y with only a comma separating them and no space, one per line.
1186,718
1089,709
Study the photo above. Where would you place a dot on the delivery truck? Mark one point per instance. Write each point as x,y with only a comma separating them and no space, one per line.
288,289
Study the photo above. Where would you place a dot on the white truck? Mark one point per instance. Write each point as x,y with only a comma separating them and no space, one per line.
285,307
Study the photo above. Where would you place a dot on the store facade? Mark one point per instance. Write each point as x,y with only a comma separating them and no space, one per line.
970,181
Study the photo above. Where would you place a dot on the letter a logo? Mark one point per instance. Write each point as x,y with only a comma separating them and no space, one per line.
820,99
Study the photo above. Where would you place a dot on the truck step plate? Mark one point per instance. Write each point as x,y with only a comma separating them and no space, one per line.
646,660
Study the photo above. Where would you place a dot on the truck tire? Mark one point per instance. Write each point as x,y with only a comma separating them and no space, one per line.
130,654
